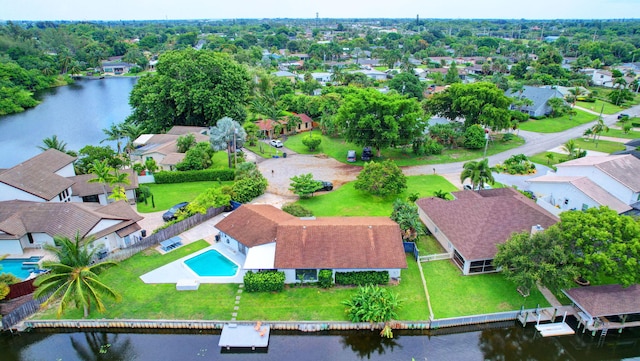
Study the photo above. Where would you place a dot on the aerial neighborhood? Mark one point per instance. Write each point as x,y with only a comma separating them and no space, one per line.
395,173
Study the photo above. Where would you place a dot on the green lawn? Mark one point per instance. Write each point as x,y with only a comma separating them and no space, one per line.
541,158
264,150
605,146
597,107
619,133
167,195
337,148
554,125
347,201
159,301
453,294
310,303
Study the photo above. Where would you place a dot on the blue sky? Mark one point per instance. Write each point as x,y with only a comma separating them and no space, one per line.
217,9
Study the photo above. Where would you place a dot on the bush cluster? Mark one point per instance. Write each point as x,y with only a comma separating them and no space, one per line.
325,278
297,210
194,176
361,278
264,281
517,164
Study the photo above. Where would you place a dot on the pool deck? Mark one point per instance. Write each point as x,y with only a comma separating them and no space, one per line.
177,270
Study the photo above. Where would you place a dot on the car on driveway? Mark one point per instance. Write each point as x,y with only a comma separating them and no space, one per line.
467,187
276,143
171,213
623,116
326,186
351,156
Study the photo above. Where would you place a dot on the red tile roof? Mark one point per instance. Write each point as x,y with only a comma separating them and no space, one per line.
475,222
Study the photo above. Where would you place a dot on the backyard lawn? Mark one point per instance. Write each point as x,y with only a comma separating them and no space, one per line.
605,146
337,148
453,294
347,201
158,301
554,125
167,195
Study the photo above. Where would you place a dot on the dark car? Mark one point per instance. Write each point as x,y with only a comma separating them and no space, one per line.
623,116
171,213
326,186
366,154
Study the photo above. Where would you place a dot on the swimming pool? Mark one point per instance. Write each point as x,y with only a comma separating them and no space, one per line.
16,266
212,264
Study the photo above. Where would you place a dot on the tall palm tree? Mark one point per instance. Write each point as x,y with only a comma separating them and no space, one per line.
113,133
598,129
131,132
53,142
102,171
478,172
72,279
117,181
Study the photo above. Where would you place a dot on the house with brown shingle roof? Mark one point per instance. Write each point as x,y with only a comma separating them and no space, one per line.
83,191
26,224
300,247
471,226
43,178
163,148
267,126
593,181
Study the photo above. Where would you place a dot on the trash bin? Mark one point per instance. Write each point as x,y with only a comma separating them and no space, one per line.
284,155
143,233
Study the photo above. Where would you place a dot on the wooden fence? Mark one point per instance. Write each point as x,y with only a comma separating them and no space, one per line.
20,289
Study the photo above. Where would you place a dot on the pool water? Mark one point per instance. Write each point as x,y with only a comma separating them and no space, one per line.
211,264
15,266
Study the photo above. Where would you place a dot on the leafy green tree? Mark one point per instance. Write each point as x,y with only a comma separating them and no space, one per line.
370,118
103,173
452,75
150,165
249,184
117,185
253,132
381,179
304,185
477,103
528,259
197,158
620,95
185,142
474,137
190,87
211,198
558,107
73,279
373,303
406,215
311,141
478,172
87,155
406,83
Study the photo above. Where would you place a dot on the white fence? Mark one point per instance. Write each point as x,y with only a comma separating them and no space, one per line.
434,257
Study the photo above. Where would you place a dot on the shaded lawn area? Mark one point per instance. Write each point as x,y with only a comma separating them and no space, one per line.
167,195
310,303
347,201
453,294
158,301
554,125
337,148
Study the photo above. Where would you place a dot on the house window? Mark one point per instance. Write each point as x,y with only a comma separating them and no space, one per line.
457,258
307,274
91,199
481,266
242,248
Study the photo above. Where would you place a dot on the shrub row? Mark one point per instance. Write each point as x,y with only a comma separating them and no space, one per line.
264,281
361,278
194,176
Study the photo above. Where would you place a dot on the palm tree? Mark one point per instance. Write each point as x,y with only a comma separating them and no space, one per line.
131,132
226,134
54,143
102,170
549,157
598,129
440,194
575,92
113,133
72,279
118,191
478,172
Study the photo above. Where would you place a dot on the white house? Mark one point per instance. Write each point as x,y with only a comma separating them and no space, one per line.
26,224
163,148
43,178
300,247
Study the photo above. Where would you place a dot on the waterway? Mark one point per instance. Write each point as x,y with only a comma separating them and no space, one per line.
507,342
76,113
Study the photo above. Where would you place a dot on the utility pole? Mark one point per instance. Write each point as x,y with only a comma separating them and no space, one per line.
486,142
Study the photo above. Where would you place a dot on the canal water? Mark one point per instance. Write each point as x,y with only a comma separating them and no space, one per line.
76,113
507,342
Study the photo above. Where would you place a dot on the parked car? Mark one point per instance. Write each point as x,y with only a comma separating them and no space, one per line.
326,186
171,213
351,156
367,154
276,143
468,187
623,116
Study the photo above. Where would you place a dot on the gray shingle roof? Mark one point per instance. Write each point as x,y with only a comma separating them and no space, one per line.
623,168
607,300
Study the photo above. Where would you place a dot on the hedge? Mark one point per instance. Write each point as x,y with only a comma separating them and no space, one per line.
361,278
264,281
194,176
325,278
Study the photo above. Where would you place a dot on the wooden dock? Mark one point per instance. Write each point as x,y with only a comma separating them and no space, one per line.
244,336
